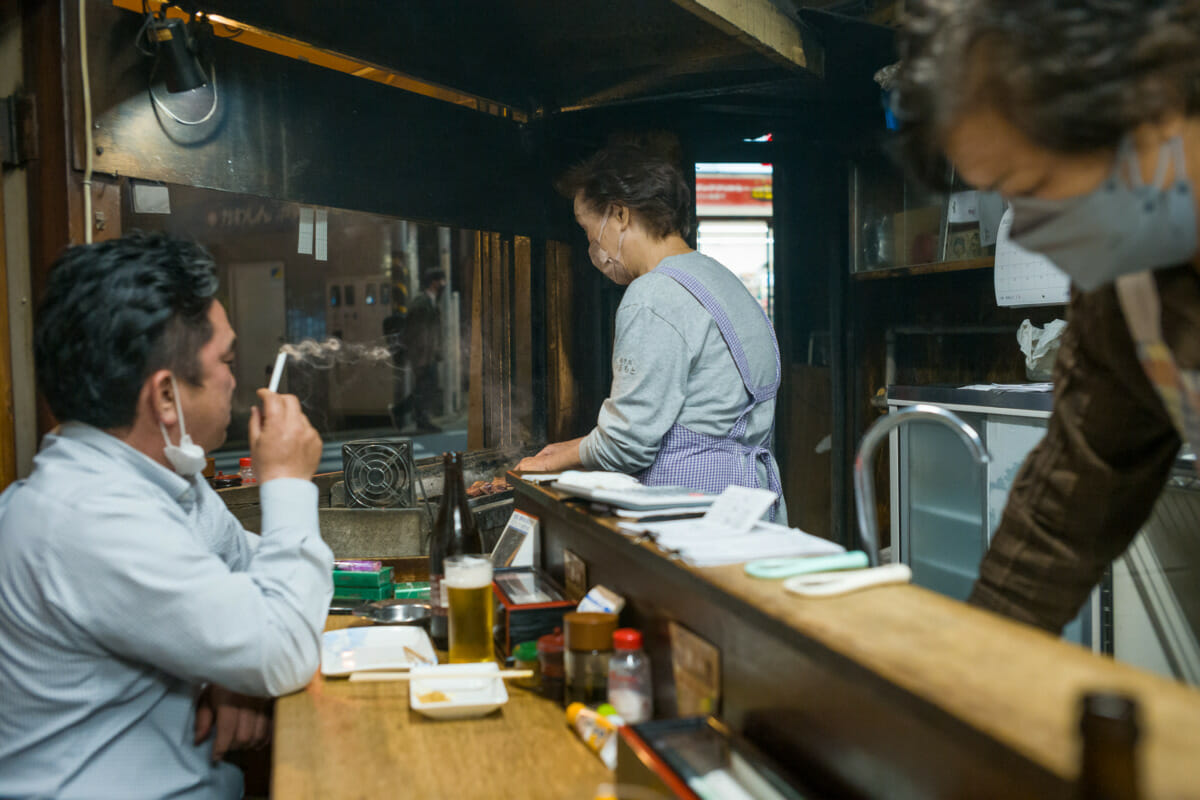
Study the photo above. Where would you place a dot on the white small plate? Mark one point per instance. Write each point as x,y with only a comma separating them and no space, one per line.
358,649
466,697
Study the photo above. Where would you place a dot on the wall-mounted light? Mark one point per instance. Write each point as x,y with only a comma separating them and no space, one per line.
176,50
178,47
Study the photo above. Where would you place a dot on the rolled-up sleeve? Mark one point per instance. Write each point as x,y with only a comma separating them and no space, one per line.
157,596
1086,489
650,365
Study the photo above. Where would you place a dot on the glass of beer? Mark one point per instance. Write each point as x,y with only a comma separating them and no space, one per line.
468,581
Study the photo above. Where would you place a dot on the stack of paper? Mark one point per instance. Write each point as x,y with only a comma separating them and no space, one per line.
1010,387
702,545
732,532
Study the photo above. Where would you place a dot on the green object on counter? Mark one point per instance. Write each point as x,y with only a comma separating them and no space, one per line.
776,568
525,651
362,592
412,590
373,579
525,656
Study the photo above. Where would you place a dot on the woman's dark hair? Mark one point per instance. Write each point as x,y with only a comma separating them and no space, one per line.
649,185
1072,75
114,313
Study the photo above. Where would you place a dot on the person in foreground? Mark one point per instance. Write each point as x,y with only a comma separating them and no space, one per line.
695,361
140,624
1086,117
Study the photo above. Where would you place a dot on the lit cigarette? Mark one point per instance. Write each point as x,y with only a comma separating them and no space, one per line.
280,360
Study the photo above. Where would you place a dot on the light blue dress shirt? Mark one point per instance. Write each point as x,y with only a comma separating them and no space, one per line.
123,588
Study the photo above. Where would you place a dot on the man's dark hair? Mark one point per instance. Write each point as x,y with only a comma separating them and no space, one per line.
1072,75
114,313
431,275
650,186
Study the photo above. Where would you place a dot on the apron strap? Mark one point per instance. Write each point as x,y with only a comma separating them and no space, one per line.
732,341
1138,296
1179,391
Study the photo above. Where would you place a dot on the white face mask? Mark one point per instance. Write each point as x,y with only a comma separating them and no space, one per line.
612,266
187,457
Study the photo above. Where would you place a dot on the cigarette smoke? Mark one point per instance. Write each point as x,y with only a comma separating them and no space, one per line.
324,355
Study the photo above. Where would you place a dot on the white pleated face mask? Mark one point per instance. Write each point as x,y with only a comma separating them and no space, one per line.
1124,226
612,266
187,457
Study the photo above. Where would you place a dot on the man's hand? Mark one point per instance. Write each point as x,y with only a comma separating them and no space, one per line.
240,722
553,458
282,442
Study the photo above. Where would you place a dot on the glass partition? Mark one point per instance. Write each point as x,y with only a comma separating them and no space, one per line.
373,310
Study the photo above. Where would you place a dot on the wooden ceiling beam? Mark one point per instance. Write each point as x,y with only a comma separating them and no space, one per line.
722,64
759,24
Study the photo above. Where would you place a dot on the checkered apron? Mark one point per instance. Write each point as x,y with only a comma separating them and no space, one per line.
710,463
1178,388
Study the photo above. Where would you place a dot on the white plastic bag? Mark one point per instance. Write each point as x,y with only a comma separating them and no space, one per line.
1040,346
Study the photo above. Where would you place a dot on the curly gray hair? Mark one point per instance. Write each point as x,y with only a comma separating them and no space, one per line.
1072,75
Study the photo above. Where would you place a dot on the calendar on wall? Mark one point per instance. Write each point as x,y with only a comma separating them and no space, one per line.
1024,278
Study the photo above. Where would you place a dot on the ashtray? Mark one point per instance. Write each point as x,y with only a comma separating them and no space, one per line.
395,612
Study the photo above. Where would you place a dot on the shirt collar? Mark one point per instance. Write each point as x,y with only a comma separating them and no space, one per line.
175,485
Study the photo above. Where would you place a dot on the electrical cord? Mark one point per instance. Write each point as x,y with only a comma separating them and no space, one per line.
163,108
88,148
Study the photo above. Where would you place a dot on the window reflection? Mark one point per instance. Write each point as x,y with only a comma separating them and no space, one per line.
360,296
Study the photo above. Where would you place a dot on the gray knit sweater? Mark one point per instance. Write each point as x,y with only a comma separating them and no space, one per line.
671,364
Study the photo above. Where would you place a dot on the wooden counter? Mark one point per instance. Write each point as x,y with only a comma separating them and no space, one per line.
888,679
338,739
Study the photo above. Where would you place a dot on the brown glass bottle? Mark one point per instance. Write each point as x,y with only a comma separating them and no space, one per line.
454,533
1108,764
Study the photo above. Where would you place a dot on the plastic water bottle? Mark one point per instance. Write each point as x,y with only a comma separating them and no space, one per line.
629,688
246,471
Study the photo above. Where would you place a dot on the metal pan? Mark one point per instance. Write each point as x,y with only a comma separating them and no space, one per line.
396,612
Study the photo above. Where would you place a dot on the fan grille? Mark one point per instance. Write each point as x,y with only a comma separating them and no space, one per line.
379,473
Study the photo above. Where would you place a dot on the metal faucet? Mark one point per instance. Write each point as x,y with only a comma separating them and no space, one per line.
864,484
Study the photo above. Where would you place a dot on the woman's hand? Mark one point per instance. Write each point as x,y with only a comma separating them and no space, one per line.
553,458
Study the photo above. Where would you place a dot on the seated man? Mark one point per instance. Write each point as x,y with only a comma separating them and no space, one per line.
134,609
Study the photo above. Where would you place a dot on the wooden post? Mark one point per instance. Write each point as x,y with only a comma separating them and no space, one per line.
494,345
504,324
522,328
560,379
475,406
54,195
8,432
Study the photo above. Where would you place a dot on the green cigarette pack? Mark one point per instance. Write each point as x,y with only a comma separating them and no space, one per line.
347,578
362,592
413,590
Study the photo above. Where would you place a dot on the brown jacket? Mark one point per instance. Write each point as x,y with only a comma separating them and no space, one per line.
1086,489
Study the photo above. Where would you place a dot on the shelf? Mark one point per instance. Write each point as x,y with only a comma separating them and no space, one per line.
986,262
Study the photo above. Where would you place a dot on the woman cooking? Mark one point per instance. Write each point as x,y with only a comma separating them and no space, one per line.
695,361
1085,114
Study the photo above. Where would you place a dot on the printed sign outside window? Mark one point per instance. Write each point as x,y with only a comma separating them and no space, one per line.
730,195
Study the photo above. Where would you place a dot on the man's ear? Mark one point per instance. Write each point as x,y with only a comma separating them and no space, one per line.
160,397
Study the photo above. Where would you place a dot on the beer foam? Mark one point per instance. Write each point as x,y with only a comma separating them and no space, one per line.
470,576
